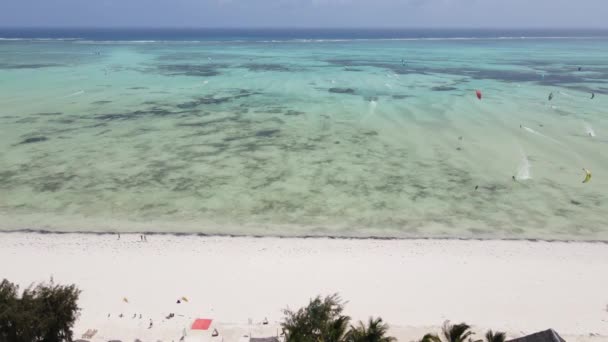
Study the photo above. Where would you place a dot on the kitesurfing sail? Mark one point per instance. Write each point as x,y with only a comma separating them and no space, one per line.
587,175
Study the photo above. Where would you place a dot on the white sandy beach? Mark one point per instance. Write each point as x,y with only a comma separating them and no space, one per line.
517,286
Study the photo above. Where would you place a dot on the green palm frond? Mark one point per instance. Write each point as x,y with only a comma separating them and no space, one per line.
456,332
430,338
498,336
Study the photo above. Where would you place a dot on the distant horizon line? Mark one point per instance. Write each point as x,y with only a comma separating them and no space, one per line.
300,28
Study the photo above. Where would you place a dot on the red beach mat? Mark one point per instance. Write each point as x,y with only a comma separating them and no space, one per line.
201,324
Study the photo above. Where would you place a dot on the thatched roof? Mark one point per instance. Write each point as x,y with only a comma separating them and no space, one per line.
542,336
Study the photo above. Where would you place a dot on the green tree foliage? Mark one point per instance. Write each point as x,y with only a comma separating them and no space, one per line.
430,338
375,331
44,313
452,333
495,336
456,332
320,321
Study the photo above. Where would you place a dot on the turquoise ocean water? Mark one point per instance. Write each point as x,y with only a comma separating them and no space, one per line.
280,135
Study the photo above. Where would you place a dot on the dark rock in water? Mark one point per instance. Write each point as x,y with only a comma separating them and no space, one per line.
443,88
266,133
33,140
342,90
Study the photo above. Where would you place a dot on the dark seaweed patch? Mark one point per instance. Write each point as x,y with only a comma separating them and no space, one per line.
352,69
101,102
267,133
585,89
443,88
342,90
400,97
138,88
159,112
53,182
104,132
556,76
49,114
28,66
265,67
63,121
294,112
210,100
208,122
33,140
6,176
27,120
195,70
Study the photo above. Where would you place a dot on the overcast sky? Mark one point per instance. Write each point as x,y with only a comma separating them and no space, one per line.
306,13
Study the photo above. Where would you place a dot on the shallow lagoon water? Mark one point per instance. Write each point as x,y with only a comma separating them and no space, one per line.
338,138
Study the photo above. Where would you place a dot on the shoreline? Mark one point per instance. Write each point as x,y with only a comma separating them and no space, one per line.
516,286
312,236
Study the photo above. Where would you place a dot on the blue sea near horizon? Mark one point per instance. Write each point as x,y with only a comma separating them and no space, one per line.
305,132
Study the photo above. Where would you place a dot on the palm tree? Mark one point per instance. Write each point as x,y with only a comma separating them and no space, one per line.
375,331
498,336
320,321
457,332
451,333
430,338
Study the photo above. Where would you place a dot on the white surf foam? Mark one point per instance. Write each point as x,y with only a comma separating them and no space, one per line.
523,170
589,130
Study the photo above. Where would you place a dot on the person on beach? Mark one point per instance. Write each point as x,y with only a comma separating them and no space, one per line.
118,236
150,326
